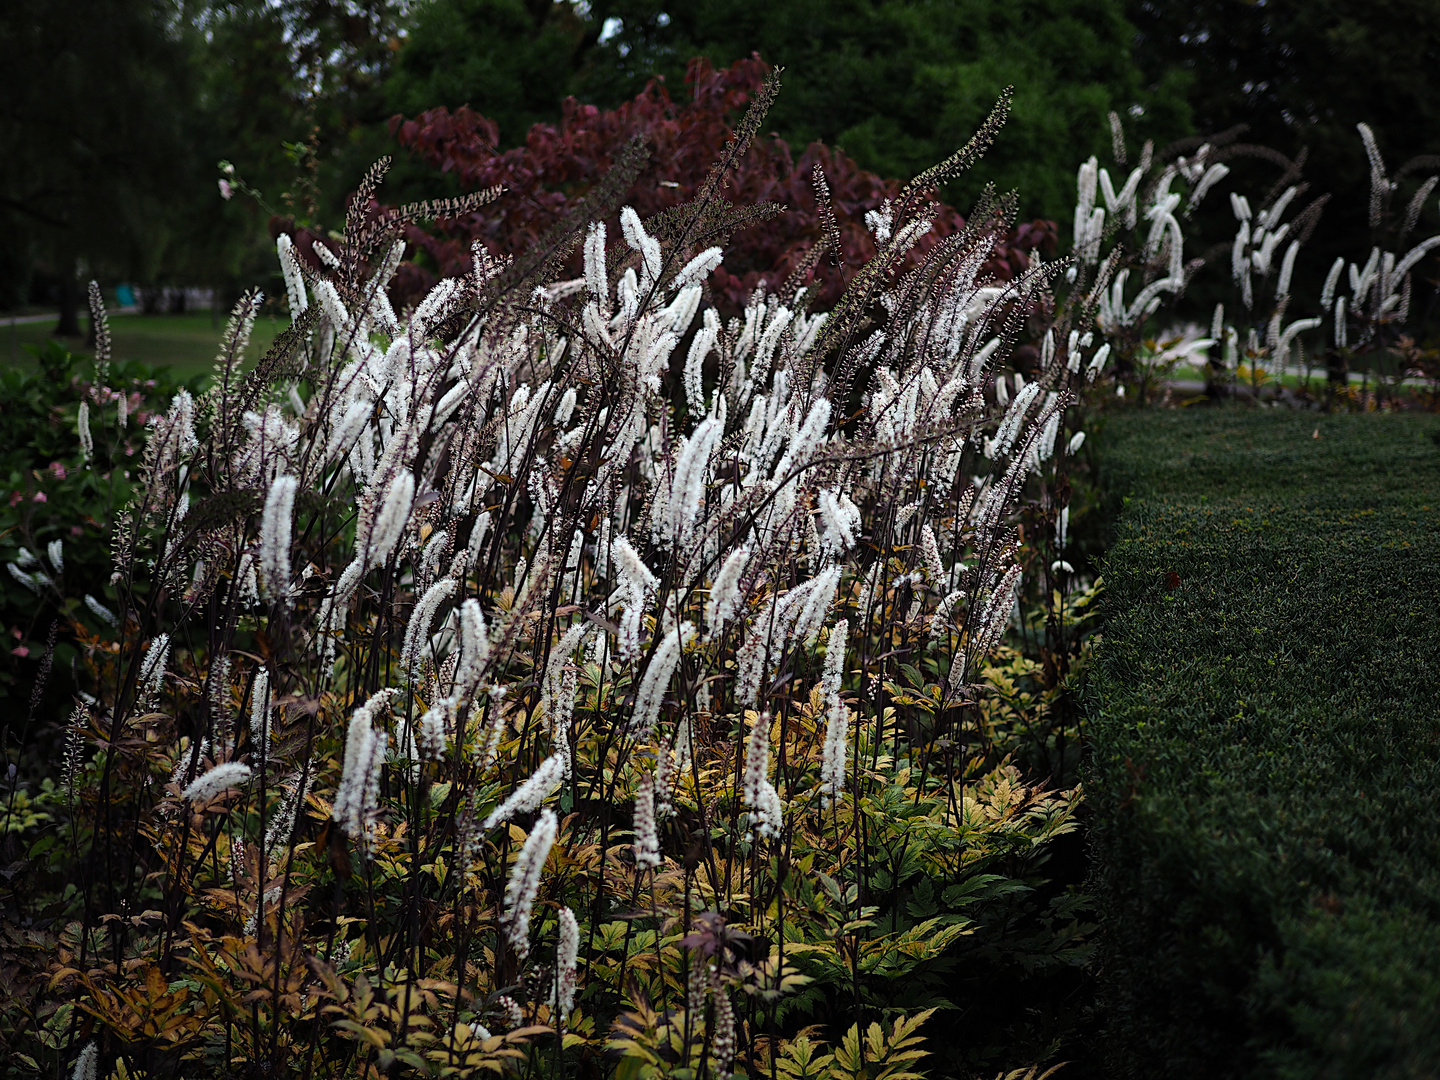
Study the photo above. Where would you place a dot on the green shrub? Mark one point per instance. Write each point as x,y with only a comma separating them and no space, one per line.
1265,746
50,494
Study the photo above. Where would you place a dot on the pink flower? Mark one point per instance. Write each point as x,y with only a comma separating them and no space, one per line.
76,530
15,497
40,497
226,191
58,470
20,650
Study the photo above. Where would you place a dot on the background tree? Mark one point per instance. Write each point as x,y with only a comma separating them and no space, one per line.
1302,74
897,84
93,100
292,99
543,181
513,60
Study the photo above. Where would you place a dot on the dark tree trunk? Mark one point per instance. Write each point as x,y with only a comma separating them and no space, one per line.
69,324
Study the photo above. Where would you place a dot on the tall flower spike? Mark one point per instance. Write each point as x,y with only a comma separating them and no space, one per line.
725,595
358,795
758,794
275,528
931,550
344,432
87,1065
417,632
260,713
832,761
393,516
699,268
722,1043
567,955
595,278
643,243
474,645
152,670
657,679
431,732
688,490
290,270
82,424
529,795
647,840
524,883
220,778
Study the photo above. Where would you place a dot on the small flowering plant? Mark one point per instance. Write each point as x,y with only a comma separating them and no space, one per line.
559,669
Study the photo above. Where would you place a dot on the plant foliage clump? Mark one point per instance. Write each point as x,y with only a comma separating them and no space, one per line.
564,673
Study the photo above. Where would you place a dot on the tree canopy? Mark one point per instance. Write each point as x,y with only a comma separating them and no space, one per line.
113,114
1303,74
896,84
92,138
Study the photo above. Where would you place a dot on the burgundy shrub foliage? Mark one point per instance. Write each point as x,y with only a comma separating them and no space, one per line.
559,163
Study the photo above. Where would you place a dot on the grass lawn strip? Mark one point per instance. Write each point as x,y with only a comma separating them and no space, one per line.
185,343
1266,745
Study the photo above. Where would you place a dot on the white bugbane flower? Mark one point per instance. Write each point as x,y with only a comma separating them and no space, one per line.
393,516
260,713
524,883
275,537
657,679
417,632
529,795
100,611
647,840
82,423
567,955
222,777
725,596
152,669
359,793
757,793
87,1065
832,761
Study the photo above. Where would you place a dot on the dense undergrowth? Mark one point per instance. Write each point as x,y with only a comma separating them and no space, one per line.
55,520
561,677
1265,745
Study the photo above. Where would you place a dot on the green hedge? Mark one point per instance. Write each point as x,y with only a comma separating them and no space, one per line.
1265,769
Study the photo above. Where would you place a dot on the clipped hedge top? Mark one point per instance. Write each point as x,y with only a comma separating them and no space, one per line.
1267,739
1289,457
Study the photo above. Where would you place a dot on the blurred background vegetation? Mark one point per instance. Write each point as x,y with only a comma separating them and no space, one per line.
116,112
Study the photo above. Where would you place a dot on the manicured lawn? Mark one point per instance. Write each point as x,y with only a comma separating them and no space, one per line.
1265,729
186,343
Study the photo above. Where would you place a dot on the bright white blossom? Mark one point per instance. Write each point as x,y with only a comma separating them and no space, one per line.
275,529
524,883
220,778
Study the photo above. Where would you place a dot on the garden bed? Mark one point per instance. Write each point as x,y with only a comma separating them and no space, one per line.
1266,745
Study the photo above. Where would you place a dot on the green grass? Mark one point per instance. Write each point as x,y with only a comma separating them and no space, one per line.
185,343
1266,745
